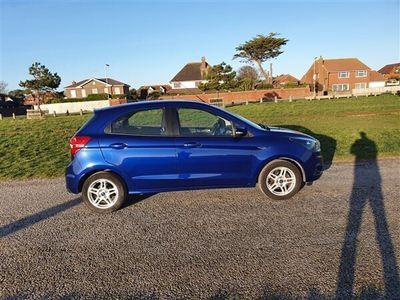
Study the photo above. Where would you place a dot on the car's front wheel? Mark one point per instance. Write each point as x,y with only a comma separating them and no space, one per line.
103,192
280,180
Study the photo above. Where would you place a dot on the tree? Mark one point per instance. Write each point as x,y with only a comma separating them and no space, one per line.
3,87
43,81
18,93
247,77
220,77
260,49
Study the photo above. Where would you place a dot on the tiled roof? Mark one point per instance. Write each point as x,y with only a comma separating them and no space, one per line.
285,78
388,68
105,80
343,64
375,76
191,71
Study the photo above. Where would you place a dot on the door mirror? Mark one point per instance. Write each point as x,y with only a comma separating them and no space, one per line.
240,132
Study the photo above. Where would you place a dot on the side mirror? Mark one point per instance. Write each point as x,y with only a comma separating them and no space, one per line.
240,132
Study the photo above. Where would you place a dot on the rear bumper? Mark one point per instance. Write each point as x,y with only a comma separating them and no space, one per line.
71,180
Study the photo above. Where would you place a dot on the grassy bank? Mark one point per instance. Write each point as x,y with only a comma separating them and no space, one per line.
39,148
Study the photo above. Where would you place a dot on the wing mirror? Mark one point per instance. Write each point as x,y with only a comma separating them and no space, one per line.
240,132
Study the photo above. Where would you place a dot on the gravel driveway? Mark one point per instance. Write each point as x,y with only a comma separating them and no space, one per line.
211,244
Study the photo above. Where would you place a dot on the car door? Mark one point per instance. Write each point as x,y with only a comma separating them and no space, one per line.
140,145
208,153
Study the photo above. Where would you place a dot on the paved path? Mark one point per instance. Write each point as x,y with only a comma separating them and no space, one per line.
212,244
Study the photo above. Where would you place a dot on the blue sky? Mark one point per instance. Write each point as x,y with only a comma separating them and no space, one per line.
147,42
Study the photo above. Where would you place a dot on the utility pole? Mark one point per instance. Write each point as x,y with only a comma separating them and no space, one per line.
105,69
314,79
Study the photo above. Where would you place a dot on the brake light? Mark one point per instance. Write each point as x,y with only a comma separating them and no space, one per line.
78,142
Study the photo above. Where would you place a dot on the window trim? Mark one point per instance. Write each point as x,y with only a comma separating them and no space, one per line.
347,76
364,83
107,129
341,84
365,73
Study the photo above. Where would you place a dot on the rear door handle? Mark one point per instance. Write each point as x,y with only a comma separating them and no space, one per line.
191,145
118,146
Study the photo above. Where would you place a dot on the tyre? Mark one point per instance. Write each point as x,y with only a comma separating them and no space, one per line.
280,180
104,192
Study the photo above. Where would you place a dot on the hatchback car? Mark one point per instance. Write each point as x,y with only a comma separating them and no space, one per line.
160,146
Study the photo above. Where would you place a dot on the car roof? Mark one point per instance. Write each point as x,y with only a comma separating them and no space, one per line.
149,103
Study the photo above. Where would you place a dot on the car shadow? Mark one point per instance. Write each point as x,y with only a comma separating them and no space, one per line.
328,143
37,217
366,190
134,199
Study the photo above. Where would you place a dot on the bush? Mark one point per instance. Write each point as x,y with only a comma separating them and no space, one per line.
103,96
264,86
293,85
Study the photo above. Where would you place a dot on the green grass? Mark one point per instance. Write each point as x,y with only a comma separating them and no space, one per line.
39,148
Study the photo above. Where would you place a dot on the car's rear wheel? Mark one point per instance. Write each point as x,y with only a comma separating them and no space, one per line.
280,180
103,192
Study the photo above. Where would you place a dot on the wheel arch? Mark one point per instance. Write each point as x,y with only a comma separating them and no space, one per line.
288,159
92,172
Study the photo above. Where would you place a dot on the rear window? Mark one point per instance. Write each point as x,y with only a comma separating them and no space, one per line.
149,122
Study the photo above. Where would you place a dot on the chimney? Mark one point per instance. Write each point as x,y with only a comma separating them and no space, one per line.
73,82
203,67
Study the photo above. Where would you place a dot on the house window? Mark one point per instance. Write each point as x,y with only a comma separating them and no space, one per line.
94,91
117,91
343,74
361,85
361,73
177,85
73,93
340,87
83,93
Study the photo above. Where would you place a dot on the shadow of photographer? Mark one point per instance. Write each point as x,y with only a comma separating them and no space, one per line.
367,190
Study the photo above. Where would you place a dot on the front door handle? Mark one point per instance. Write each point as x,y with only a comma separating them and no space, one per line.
191,145
118,146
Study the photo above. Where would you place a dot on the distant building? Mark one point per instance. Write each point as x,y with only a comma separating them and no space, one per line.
191,75
391,71
284,79
83,88
341,75
146,91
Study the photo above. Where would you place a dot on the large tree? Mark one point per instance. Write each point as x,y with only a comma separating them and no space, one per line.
219,77
3,87
260,49
43,81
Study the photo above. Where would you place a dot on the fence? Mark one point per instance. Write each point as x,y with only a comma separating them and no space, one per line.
376,91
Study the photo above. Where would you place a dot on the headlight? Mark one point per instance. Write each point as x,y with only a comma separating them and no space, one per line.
310,144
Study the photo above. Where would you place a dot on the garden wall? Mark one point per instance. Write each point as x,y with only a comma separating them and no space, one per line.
254,95
73,107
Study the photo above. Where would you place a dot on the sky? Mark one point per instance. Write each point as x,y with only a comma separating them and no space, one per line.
148,42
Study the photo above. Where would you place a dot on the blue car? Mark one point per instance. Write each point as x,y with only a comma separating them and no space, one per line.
161,146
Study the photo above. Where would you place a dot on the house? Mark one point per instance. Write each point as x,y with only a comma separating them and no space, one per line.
376,80
147,90
83,88
391,71
285,79
341,75
191,75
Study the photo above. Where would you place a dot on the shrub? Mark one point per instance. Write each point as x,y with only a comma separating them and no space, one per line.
103,96
119,96
264,86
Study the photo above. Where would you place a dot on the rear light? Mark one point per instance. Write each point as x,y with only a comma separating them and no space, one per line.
78,142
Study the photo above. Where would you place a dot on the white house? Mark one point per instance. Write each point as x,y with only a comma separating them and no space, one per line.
191,75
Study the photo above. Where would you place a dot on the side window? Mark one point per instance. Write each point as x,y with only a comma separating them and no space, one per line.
144,122
196,122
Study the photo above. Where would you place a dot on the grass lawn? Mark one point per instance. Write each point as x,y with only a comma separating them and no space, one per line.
39,148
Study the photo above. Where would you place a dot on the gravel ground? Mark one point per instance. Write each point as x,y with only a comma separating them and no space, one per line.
336,238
